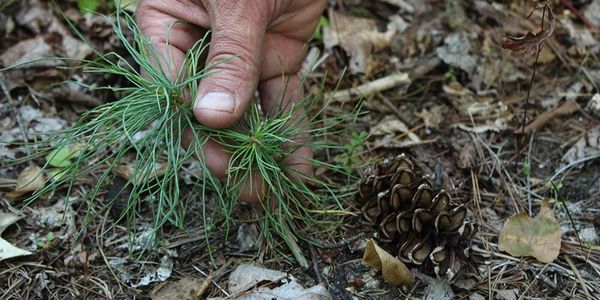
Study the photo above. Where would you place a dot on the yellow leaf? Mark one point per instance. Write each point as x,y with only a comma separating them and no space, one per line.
394,271
539,237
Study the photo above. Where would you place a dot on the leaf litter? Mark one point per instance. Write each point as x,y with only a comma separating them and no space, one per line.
586,146
497,81
7,250
251,282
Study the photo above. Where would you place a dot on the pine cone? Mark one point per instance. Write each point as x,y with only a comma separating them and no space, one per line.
422,225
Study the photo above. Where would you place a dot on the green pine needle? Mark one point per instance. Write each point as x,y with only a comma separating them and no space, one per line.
146,127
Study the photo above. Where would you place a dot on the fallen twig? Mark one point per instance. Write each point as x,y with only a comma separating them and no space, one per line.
531,283
568,107
571,165
210,279
569,5
373,87
578,276
528,178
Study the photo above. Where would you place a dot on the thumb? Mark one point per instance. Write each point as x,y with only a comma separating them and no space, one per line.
238,29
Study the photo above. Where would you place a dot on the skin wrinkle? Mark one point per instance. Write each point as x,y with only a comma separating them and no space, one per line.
265,56
275,62
190,11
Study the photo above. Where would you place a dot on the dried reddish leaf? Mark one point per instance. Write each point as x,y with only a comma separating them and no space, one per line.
530,42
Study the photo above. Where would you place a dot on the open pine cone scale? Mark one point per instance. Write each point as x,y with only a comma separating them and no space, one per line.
423,225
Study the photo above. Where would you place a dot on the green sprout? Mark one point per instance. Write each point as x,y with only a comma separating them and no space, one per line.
450,75
349,159
323,23
88,5
526,168
145,127
46,242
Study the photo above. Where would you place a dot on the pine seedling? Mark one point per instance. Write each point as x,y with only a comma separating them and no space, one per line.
292,201
146,126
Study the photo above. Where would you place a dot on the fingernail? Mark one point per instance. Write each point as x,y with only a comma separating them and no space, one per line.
216,101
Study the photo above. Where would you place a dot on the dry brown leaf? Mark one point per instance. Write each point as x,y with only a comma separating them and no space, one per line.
392,126
30,179
394,271
187,288
539,237
359,37
530,42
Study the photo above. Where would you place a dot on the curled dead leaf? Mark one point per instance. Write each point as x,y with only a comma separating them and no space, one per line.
394,271
530,42
359,37
30,180
539,237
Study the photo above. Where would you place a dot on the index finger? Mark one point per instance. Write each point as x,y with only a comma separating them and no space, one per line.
171,37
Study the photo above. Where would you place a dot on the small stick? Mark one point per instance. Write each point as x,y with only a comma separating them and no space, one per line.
476,193
545,280
315,266
373,87
571,165
529,172
578,276
569,5
566,108
211,280
537,276
530,86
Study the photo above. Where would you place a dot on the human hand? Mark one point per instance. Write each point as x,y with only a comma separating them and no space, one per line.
254,44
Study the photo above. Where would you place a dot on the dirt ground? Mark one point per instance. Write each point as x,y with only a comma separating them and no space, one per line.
459,110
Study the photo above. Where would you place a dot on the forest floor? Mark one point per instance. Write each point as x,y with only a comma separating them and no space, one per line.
460,113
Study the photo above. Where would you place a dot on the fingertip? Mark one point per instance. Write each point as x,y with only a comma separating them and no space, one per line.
216,109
